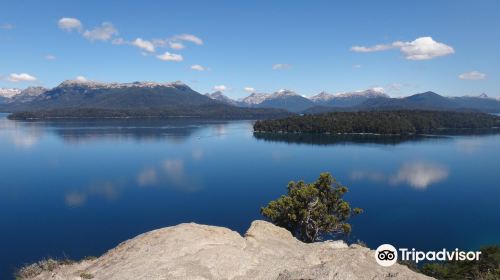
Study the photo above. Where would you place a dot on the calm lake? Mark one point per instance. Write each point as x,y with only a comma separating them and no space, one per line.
76,189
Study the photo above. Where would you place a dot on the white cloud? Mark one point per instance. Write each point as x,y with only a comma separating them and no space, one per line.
249,89
176,42
102,33
23,77
281,66
356,66
170,57
187,37
144,44
176,45
70,24
50,57
198,67
7,26
395,86
159,42
119,41
81,78
376,48
220,87
422,48
473,75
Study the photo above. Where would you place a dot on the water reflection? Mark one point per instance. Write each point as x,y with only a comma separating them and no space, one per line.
171,173
75,199
108,190
147,177
21,136
141,130
324,139
469,146
160,173
417,174
420,175
197,154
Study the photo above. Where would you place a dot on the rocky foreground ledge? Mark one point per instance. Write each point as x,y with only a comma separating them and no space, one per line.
192,251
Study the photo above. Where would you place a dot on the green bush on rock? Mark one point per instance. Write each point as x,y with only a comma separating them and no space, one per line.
311,211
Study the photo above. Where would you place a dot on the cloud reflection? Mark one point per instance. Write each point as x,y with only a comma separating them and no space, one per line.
197,154
417,174
420,174
147,177
469,146
171,173
21,136
373,176
220,131
25,140
75,199
106,189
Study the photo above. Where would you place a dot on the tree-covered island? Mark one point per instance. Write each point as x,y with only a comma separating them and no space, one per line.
380,122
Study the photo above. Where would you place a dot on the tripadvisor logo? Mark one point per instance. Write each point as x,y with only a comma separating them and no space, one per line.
387,255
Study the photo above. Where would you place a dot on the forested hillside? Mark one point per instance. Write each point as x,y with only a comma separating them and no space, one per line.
391,122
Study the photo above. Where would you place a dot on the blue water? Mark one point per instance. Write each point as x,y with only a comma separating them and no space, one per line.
76,189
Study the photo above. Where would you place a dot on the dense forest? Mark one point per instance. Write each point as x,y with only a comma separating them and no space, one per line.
380,122
487,268
209,111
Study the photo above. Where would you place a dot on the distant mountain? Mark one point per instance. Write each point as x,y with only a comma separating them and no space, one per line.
137,95
287,100
322,98
348,99
29,94
14,95
6,94
93,99
254,99
482,102
422,101
219,96
9,92
177,97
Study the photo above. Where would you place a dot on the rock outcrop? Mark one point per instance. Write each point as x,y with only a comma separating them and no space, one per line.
192,251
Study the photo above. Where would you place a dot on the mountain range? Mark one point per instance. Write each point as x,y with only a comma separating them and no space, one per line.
75,98
178,99
366,100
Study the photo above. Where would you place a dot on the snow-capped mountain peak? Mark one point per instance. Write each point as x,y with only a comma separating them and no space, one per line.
9,92
96,85
255,98
80,82
283,93
322,96
33,91
369,93
219,96
215,95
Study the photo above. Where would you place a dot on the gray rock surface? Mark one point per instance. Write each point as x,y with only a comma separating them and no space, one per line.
192,251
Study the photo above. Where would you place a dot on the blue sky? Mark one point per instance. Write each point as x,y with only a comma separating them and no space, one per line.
306,46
